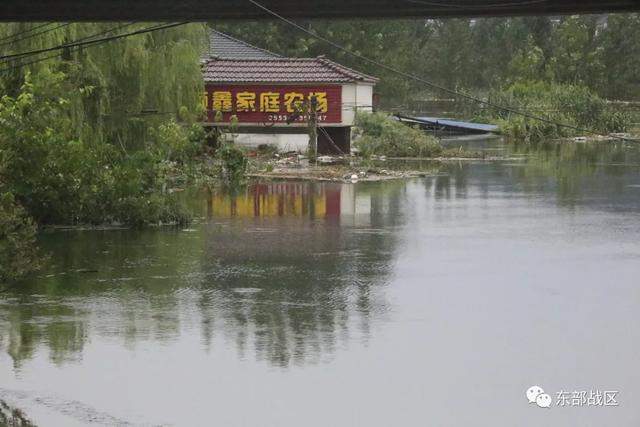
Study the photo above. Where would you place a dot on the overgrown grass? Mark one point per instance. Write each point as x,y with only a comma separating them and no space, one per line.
572,105
379,134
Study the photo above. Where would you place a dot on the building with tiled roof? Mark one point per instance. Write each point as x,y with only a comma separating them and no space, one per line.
281,70
270,95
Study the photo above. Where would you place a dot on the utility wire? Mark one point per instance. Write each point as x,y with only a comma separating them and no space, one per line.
36,34
427,82
22,65
110,30
25,31
90,42
484,6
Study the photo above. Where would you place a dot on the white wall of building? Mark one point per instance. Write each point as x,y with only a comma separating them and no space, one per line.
284,142
356,96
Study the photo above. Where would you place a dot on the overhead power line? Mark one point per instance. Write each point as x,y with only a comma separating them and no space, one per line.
19,64
425,81
90,42
453,5
24,64
35,34
25,31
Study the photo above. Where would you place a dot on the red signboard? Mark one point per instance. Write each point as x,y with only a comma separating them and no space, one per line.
263,104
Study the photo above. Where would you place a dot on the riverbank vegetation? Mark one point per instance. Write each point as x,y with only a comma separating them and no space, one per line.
378,134
18,254
579,109
91,136
60,178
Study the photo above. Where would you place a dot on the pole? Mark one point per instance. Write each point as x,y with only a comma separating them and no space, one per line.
313,126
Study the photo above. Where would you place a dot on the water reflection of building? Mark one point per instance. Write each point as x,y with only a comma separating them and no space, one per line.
295,289
353,204
281,199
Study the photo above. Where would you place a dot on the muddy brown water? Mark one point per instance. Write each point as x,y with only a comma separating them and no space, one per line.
426,302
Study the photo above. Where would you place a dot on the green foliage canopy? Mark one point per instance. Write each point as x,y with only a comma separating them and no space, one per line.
61,179
599,51
119,89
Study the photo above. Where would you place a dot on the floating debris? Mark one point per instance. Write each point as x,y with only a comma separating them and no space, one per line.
329,160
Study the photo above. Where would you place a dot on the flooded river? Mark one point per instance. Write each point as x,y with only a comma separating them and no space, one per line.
428,302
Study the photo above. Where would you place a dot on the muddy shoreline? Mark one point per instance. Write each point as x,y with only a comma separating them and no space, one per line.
336,176
357,171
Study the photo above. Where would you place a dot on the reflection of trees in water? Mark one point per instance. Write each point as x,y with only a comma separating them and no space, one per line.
296,306
319,274
117,284
574,172
292,290
319,281
27,322
13,417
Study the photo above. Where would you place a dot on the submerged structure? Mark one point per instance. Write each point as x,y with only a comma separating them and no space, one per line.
268,97
448,126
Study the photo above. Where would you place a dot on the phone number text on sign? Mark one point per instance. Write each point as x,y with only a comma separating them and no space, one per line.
284,118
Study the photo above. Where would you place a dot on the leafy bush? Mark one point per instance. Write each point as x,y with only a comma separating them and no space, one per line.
572,105
379,134
60,179
18,253
234,162
173,142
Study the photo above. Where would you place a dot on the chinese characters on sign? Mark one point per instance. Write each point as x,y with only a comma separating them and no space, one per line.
273,104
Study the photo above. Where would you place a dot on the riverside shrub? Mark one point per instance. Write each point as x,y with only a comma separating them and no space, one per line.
18,253
573,105
60,179
379,134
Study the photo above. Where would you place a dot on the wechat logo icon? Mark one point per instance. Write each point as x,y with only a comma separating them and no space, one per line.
536,394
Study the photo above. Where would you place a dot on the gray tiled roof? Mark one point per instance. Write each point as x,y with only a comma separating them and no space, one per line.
226,47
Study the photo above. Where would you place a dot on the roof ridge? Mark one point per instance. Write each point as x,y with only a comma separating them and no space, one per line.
346,70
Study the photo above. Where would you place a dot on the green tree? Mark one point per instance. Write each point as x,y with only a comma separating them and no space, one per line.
577,56
18,255
119,89
60,178
620,41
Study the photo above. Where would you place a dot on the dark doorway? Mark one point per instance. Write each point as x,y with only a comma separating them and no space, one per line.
334,140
